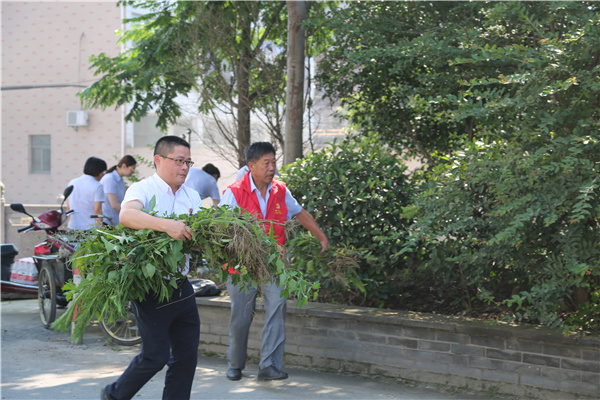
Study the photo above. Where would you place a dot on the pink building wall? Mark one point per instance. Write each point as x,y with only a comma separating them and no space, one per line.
49,43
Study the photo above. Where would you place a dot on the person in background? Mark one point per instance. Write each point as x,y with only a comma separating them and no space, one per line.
258,193
87,196
204,181
170,330
241,172
114,188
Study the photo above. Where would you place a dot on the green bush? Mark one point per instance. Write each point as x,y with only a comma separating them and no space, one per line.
506,226
356,190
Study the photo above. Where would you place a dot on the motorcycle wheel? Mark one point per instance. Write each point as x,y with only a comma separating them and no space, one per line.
124,331
47,295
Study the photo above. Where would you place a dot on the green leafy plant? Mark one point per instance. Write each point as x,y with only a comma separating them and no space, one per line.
500,100
337,266
356,190
587,315
502,226
119,264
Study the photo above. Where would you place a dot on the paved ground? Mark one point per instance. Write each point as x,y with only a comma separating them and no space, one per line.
43,364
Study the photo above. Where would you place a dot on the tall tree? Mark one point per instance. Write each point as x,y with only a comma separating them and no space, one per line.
428,75
297,13
231,53
502,100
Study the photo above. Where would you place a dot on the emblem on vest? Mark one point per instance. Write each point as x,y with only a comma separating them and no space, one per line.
278,209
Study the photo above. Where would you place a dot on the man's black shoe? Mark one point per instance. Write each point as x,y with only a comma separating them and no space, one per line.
104,395
271,374
234,374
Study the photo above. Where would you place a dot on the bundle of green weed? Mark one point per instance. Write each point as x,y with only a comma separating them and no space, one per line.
120,264
336,267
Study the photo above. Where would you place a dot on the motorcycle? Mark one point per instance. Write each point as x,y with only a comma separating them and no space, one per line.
52,261
19,283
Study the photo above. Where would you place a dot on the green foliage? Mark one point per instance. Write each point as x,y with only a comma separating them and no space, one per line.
356,190
229,55
498,224
336,267
587,315
429,75
389,67
120,264
501,99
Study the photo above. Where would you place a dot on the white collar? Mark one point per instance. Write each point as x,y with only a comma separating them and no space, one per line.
253,186
164,186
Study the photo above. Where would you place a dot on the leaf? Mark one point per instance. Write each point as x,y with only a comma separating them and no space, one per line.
110,247
112,275
151,204
149,270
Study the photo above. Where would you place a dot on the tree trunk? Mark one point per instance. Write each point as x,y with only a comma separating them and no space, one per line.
243,87
297,13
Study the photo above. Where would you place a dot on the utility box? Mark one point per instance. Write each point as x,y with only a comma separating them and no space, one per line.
77,118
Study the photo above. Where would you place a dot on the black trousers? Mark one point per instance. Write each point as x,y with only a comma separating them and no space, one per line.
170,335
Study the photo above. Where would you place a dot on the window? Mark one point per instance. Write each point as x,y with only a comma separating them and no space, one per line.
40,154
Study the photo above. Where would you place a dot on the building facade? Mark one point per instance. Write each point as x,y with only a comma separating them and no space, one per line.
46,134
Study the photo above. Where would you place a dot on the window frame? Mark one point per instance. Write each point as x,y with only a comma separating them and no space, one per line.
40,155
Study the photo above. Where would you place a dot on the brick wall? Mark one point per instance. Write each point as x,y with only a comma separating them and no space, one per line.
49,43
529,361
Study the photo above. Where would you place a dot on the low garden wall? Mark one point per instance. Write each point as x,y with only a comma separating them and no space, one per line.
527,361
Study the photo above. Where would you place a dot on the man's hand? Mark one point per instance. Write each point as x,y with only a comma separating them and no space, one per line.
177,230
307,221
324,243
132,216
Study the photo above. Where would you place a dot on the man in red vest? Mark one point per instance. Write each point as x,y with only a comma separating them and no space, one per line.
269,200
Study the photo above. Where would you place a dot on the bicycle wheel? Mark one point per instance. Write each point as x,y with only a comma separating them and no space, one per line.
124,331
47,295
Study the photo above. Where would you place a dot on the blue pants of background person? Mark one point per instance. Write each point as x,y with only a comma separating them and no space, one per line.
242,313
170,335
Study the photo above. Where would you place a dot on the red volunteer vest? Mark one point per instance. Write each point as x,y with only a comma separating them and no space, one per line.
276,207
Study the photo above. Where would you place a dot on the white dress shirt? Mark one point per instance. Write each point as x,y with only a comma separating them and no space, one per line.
168,204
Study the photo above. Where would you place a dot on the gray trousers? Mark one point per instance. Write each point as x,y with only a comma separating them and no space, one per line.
273,333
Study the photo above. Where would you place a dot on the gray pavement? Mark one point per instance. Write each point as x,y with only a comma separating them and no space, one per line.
42,364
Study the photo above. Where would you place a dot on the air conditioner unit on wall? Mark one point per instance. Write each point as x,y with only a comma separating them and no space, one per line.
77,118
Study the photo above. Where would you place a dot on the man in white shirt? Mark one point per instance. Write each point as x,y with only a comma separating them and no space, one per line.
170,330
204,181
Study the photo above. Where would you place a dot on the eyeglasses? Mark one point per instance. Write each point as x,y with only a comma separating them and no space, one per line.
179,161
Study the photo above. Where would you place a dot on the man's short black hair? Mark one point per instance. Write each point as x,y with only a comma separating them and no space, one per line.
212,170
257,150
166,144
94,166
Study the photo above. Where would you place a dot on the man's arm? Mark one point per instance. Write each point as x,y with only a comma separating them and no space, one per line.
132,216
307,221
